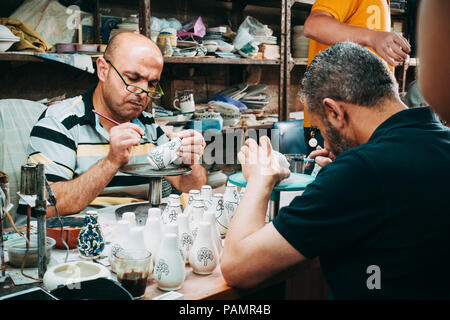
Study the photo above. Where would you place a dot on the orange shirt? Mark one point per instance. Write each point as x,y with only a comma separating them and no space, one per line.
372,14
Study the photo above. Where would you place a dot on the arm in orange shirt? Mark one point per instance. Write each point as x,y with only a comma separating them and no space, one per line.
323,27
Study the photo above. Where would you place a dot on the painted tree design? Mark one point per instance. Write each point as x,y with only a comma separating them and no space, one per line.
172,216
186,241
205,254
162,267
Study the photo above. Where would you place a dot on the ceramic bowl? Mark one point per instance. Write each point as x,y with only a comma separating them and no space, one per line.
71,228
211,46
65,47
189,53
17,247
226,47
86,47
73,272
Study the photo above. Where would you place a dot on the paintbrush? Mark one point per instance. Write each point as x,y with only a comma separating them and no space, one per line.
109,119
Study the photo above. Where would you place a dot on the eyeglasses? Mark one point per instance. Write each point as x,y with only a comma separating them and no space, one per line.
138,90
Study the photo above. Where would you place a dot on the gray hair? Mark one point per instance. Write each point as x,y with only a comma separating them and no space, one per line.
350,73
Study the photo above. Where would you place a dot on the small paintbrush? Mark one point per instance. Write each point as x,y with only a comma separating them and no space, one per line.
108,118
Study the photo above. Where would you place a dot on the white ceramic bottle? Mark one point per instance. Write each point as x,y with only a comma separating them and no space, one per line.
152,235
169,272
193,194
154,213
222,218
131,217
173,228
185,237
206,194
230,200
210,217
136,239
197,217
203,256
171,213
120,240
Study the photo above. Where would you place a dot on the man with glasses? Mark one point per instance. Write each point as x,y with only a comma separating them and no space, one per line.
83,152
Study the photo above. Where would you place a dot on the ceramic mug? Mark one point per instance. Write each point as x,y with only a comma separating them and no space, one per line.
161,156
186,103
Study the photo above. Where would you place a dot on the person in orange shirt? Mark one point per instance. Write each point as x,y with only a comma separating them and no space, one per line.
365,22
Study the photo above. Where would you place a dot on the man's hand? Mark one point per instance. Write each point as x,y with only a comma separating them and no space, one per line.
391,46
258,162
121,139
192,146
321,156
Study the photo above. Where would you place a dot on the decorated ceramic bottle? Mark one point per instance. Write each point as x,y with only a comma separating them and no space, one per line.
171,213
197,217
193,194
206,194
203,256
185,237
222,218
152,235
120,241
90,239
230,200
170,271
210,217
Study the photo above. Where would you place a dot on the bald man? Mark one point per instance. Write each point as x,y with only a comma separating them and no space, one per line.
82,152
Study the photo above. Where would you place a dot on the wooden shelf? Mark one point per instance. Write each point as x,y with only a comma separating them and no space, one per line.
203,60
9,56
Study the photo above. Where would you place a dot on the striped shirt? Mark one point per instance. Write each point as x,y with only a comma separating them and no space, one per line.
68,139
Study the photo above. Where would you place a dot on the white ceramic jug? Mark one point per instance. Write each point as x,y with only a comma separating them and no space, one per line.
222,218
197,217
193,194
203,256
170,271
185,237
210,217
152,236
171,213
206,194
230,200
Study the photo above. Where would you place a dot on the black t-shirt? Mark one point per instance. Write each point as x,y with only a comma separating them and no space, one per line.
378,217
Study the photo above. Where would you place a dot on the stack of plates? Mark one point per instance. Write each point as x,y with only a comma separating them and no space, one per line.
7,38
300,44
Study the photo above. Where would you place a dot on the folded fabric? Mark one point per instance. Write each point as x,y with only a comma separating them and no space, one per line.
30,40
104,201
239,104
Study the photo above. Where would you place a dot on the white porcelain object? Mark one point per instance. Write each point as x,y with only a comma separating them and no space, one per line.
193,194
171,213
185,238
120,241
222,218
131,217
230,200
136,239
170,271
197,215
203,256
154,213
71,273
7,38
163,155
153,236
210,217
206,194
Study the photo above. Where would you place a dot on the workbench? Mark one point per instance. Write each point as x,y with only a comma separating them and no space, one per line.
303,281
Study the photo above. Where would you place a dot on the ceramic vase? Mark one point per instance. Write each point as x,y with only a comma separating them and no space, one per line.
173,228
120,241
222,218
171,213
230,200
197,217
185,238
131,217
152,236
193,194
161,156
210,217
170,271
203,256
206,194
90,241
